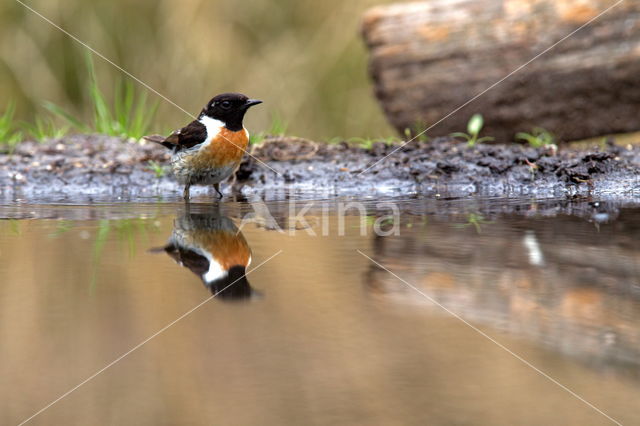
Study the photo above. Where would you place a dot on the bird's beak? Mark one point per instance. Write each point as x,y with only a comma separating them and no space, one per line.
252,102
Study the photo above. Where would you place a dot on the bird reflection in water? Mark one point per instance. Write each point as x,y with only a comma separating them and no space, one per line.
213,248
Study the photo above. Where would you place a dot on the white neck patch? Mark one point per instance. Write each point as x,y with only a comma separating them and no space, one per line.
212,125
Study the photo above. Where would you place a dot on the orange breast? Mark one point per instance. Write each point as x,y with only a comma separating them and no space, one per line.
227,147
232,250
229,248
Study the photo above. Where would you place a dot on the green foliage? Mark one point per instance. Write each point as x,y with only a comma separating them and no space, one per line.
126,232
9,134
14,226
538,138
474,126
44,128
311,64
63,227
335,140
256,138
418,132
367,143
278,127
130,115
73,121
157,168
476,220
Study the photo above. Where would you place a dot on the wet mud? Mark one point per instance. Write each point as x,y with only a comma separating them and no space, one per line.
94,165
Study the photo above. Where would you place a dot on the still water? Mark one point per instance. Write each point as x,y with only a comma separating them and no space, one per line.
421,325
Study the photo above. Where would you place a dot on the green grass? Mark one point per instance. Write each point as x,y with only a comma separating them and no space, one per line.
157,168
278,127
74,122
418,132
9,134
14,226
44,128
256,138
538,138
474,127
129,115
474,219
127,231
63,227
367,143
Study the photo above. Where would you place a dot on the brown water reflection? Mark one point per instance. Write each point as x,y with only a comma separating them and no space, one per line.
565,283
334,340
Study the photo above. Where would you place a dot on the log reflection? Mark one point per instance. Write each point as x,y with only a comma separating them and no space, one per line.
561,282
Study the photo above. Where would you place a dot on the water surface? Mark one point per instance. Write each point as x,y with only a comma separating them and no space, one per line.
319,333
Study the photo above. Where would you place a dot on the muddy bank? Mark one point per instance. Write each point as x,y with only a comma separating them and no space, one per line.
107,167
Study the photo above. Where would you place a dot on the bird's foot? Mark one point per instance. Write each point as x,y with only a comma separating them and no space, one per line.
216,186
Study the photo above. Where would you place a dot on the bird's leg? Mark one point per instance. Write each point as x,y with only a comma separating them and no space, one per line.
185,194
216,186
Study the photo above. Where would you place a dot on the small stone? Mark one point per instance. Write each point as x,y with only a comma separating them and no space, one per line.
18,177
124,158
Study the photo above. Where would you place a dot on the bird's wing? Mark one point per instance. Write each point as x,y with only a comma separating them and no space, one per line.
189,136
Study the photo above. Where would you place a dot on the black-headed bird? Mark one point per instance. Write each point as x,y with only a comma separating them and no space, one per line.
209,149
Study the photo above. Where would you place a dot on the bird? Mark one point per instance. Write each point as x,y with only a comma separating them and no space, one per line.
213,248
209,149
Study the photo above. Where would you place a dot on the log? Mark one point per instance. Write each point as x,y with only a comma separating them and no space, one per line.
429,58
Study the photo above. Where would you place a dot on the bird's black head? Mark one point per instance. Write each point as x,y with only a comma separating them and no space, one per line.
229,108
232,287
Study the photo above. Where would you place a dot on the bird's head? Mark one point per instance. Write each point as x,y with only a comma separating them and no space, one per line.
229,108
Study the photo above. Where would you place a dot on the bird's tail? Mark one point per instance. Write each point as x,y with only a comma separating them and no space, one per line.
155,138
159,139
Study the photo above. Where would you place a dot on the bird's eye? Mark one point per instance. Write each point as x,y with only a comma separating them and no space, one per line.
225,104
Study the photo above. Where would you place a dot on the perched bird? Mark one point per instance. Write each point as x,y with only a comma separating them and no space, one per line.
212,247
209,149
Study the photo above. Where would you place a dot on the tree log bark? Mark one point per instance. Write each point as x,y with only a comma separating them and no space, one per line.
430,58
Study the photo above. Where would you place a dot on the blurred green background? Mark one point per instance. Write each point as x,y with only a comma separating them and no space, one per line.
304,58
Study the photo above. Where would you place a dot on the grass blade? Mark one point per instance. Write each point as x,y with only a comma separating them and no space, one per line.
73,121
